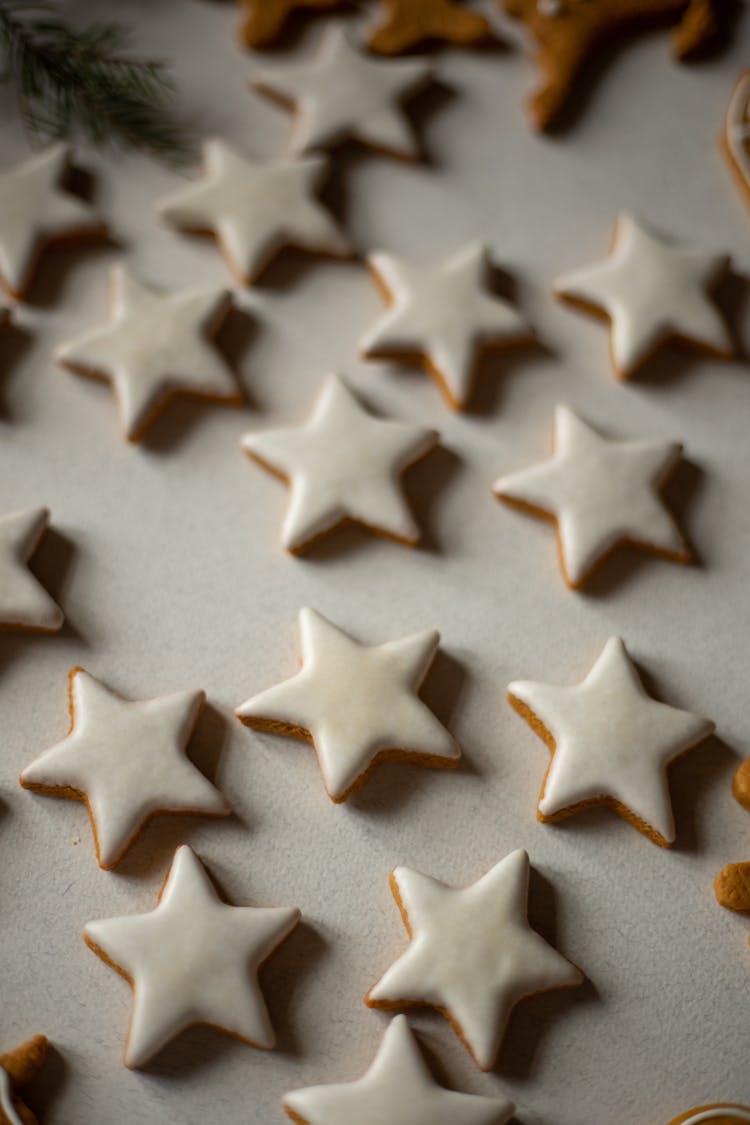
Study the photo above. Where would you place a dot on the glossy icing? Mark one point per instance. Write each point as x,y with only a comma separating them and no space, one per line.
128,759
472,954
729,1112
192,959
24,603
738,127
612,740
342,464
6,1100
356,701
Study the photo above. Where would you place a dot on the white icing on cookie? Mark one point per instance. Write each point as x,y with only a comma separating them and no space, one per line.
613,741
256,209
156,346
472,954
192,959
356,701
34,211
342,464
652,290
738,127
24,603
128,759
601,493
443,313
6,1099
346,94
398,1087
735,1112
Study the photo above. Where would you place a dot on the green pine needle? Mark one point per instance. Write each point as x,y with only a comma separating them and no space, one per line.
80,80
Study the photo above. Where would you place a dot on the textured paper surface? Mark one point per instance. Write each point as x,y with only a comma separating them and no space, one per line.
166,561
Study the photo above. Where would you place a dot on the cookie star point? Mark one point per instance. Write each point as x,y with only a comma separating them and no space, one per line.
358,704
24,603
652,290
611,743
343,464
397,1086
601,494
345,94
193,959
127,761
472,954
444,315
17,1068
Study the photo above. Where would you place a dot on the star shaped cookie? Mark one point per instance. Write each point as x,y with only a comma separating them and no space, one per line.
569,33
652,291
732,885
342,465
126,760
266,20
736,136
17,1069
35,211
611,744
473,955
601,495
358,705
407,24
346,95
192,960
156,346
255,209
398,1087
24,603
444,316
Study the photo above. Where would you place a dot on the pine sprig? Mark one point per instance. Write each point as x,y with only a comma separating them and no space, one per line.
81,80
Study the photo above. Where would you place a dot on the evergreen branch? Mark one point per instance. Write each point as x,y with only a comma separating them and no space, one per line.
81,80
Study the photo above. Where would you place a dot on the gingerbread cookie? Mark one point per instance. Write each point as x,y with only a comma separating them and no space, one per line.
192,960
406,24
398,1087
345,95
443,316
358,705
723,1113
266,20
126,760
610,743
34,212
732,885
17,1069
736,135
601,495
567,33
156,347
343,465
24,603
473,955
255,210
652,291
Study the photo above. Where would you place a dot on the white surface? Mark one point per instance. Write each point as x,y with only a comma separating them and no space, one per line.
168,567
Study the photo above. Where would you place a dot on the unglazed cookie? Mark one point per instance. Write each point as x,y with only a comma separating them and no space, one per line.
732,885
345,95
266,20
601,495
342,465
255,209
406,24
17,1069
398,1087
35,211
24,603
126,760
723,1113
444,316
192,960
651,290
610,742
568,33
473,955
358,704
736,135
156,346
